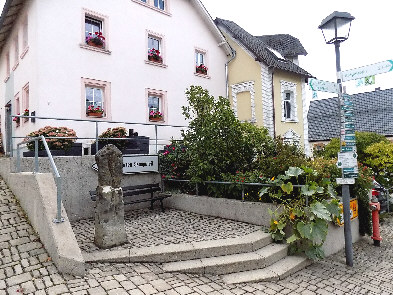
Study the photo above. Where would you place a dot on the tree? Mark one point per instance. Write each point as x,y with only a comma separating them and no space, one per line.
217,142
379,157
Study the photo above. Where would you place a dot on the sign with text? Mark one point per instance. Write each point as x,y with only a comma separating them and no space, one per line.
325,86
137,164
366,71
347,160
354,209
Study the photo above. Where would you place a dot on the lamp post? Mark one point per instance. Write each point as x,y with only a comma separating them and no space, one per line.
335,29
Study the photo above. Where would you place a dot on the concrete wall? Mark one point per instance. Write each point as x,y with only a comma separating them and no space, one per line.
37,196
254,213
78,178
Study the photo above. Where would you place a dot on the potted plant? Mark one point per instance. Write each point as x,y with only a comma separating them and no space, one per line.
96,40
201,69
154,55
94,111
26,113
16,120
155,116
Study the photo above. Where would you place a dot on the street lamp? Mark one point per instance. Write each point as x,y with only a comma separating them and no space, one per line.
335,29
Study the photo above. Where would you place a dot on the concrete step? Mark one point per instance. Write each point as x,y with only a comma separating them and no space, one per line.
185,251
231,263
274,272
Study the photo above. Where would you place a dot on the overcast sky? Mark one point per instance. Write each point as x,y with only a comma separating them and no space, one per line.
370,41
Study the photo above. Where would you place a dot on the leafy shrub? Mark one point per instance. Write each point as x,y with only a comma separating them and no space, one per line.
174,160
53,143
117,132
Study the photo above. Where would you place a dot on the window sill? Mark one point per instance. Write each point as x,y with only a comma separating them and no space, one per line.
290,121
157,64
6,79
152,7
156,122
206,76
92,48
24,52
15,66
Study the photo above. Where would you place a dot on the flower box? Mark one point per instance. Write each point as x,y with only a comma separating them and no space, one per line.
91,43
96,40
155,119
155,59
96,115
201,69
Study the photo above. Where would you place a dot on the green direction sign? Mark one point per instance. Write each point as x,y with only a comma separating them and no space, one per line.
345,149
351,175
349,126
370,70
349,137
325,86
347,108
350,143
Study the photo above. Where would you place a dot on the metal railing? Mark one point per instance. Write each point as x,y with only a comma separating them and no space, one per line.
156,140
58,218
241,184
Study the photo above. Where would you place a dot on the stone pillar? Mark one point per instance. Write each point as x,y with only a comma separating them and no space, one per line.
109,211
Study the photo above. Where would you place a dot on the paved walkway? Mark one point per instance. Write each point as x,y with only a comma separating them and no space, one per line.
25,268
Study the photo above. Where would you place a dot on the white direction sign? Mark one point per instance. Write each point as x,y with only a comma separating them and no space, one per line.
137,164
347,160
345,180
325,86
370,70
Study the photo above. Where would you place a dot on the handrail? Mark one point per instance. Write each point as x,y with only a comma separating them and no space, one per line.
242,184
58,218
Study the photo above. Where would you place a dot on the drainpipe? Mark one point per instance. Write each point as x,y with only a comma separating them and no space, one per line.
226,71
274,109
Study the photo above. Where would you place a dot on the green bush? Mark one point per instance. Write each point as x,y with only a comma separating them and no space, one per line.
53,143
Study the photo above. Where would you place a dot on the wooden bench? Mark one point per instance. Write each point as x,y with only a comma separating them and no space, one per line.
129,191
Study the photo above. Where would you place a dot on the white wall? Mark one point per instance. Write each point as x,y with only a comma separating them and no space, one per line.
59,61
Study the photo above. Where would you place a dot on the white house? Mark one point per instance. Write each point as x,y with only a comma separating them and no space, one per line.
47,67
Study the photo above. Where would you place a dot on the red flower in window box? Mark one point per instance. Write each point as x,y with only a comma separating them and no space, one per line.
155,116
97,41
201,69
94,111
154,55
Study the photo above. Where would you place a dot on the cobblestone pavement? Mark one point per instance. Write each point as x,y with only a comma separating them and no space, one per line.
25,268
152,228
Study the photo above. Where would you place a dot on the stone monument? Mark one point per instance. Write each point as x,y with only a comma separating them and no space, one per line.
109,211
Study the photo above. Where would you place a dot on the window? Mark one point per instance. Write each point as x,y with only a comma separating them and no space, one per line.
155,49
288,102
96,94
17,110
26,100
156,107
200,62
8,66
157,5
16,52
160,4
287,106
93,24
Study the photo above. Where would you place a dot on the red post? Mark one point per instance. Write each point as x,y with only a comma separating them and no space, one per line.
375,207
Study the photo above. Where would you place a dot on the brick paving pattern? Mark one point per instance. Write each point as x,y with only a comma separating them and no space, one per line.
163,229
25,268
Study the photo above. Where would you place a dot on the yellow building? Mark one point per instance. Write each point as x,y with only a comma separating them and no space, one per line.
266,86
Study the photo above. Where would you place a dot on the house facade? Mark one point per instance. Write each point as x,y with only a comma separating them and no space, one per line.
266,84
132,59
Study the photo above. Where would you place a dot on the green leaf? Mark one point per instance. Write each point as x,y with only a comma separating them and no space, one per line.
294,171
320,190
263,191
333,208
332,191
304,230
319,230
315,253
320,210
287,187
292,239
307,190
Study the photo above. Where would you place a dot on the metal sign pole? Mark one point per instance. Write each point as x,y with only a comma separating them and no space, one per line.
345,187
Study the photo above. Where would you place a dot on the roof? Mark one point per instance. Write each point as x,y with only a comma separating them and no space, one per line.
259,48
372,110
8,17
286,44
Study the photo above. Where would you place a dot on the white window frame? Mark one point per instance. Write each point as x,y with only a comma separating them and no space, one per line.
161,95
104,20
288,88
161,39
152,5
106,96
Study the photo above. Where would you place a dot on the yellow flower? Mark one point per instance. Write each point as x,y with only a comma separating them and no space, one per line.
275,222
273,178
292,216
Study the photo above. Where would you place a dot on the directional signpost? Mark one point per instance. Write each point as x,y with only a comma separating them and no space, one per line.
325,86
370,70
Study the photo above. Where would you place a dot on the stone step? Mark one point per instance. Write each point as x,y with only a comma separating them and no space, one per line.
186,251
274,272
231,263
